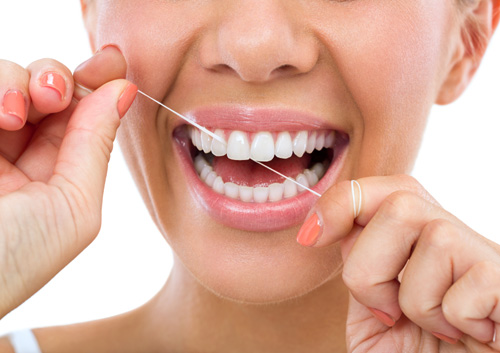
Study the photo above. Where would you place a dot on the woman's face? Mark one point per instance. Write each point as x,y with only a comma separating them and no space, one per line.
361,72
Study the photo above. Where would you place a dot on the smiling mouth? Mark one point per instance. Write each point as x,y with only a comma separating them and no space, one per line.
230,170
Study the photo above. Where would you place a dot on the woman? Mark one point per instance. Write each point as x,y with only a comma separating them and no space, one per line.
333,91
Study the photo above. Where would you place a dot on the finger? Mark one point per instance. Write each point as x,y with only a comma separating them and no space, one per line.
81,165
438,260
334,210
14,96
471,304
51,88
11,178
106,65
383,248
38,159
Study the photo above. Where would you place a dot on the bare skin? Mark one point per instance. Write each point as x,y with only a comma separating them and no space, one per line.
370,69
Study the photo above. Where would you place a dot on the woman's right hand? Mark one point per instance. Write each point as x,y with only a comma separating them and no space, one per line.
54,154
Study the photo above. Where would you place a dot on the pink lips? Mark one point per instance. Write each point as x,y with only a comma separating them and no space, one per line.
258,217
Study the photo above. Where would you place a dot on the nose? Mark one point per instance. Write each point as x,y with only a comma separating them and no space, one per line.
259,40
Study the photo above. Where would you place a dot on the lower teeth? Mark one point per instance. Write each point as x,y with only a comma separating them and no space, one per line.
272,193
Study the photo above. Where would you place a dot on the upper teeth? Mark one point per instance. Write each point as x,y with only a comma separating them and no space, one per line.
262,146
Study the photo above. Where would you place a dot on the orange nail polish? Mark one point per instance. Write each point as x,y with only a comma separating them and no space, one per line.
54,81
383,317
445,338
126,99
15,105
310,231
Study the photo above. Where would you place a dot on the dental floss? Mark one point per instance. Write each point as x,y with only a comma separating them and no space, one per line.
288,178
195,124
218,138
357,210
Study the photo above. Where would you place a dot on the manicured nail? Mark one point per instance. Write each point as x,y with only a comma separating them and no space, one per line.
54,81
310,231
15,105
106,46
386,319
126,99
97,53
445,338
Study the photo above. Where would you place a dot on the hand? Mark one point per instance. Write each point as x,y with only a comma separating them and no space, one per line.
419,279
53,162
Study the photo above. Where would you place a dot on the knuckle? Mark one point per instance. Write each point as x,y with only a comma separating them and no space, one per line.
485,274
409,182
354,282
451,311
399,205
439,234
414,307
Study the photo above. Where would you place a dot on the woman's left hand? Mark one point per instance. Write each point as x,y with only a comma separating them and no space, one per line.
419,278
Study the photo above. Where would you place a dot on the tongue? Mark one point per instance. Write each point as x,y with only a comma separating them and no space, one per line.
249,173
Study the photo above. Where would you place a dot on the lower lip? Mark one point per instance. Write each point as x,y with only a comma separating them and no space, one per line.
249,216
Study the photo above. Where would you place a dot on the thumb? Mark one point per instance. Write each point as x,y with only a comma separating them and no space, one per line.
107,64
82,162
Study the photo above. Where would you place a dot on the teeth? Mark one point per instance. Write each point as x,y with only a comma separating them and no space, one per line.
199,163
329,140
218,185
264,145
312,178
320,141
272,193
290,189
284,146
246,193
302,180
260,194
238,147
300,143
218,148
206,142
210,179
231,190
311,142
276,192
196,137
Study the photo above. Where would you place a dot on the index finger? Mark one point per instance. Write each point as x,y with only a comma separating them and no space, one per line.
333,216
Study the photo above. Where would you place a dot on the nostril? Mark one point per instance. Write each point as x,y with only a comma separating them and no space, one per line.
286,70
222,68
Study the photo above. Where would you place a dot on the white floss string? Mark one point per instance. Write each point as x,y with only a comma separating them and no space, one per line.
195,124
218,138
357,210
288,178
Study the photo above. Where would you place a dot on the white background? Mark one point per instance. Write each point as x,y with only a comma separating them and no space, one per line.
129,261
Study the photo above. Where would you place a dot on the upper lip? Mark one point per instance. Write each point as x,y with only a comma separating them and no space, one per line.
258,119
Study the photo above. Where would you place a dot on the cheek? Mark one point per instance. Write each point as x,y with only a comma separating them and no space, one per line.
390,56
154,37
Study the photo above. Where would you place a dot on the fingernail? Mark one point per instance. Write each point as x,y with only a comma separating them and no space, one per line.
310,231
99,52
108,46
386,319
54,81
126,99
445,338
15,105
